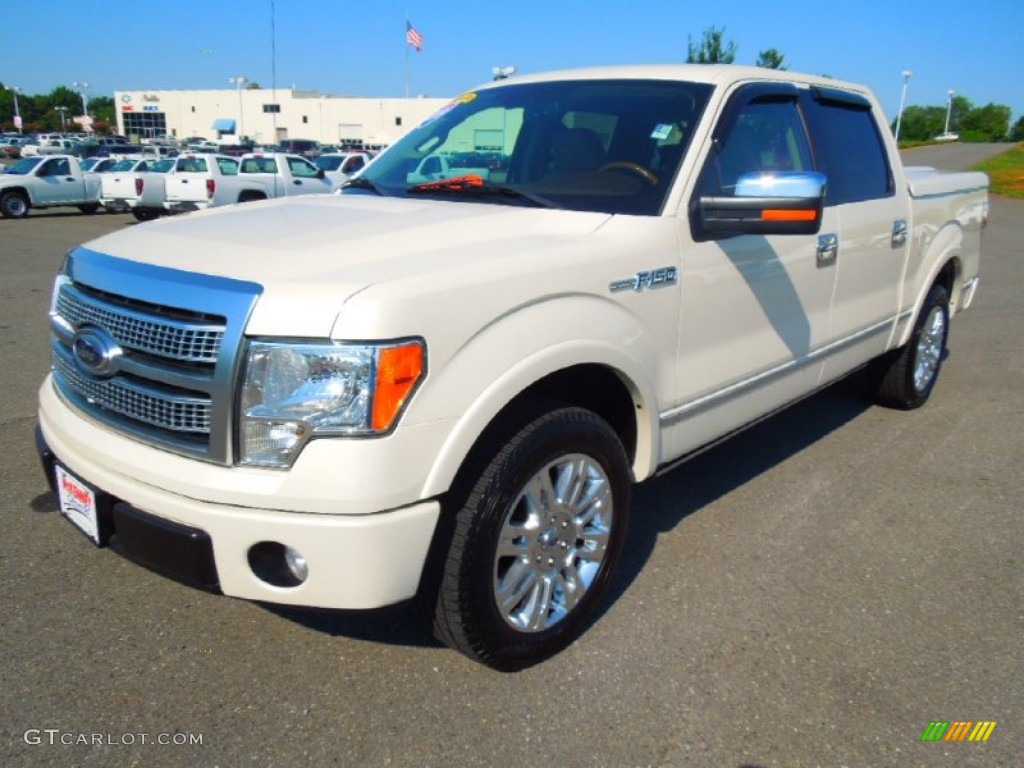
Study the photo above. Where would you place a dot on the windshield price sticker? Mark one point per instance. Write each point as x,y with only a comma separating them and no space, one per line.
77,503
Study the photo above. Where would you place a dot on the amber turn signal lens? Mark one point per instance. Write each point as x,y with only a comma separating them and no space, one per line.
399,369
784,215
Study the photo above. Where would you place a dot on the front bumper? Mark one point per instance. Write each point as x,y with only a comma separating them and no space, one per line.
355,561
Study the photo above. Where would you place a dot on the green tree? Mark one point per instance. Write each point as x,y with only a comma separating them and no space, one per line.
712,49
921,123
988,123
1017,132
102,108
962,107
771,59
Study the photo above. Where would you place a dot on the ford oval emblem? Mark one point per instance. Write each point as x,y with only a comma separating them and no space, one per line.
96,352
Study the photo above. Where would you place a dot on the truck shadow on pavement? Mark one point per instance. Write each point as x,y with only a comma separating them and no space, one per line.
660,504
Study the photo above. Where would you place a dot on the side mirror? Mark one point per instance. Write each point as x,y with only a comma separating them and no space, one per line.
320,173
781,203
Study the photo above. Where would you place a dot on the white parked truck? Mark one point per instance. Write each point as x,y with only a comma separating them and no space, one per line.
447,389
208,181
122,187
45,181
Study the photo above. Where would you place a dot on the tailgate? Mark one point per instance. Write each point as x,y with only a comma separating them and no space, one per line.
186,188
117,186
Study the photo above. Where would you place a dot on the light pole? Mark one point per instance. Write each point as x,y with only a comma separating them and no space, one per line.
63,121
907,74
83,88
17,115
949,110
238,83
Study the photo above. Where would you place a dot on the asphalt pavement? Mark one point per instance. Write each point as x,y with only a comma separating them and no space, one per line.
812,593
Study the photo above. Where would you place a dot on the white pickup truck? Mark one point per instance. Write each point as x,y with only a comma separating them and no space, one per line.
45,181
121,186
446,390
136,183
208,181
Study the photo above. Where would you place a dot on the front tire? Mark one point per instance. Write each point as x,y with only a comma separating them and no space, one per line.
536,539
14,205
89,208
905,377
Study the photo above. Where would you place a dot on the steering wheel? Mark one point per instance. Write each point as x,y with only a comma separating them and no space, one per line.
625,165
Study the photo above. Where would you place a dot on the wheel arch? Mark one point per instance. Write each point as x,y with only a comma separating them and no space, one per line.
608,386
21,190
943,260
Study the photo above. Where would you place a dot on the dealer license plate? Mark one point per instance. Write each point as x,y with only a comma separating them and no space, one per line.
78,503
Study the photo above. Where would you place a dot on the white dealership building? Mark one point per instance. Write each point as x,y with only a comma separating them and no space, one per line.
269,116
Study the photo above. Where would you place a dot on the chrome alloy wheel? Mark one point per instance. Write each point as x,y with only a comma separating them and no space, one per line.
552,543
929,348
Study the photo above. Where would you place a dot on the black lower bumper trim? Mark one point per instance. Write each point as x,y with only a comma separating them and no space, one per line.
171,549
174,550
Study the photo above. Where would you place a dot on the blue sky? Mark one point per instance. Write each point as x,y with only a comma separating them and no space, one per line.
975,48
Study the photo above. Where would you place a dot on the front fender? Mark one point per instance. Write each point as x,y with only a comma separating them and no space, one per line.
23,188
522,347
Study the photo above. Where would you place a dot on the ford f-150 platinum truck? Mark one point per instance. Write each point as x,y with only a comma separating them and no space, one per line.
446,389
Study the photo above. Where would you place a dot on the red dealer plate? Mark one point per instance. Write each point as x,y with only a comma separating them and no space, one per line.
77,503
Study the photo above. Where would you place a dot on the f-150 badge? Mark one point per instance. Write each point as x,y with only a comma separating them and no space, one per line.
655,278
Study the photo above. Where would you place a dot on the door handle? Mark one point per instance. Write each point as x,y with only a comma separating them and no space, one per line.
899,233
828,249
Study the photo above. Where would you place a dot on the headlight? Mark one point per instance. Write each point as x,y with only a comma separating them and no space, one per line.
292,391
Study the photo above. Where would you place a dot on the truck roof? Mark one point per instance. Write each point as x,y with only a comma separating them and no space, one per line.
713,74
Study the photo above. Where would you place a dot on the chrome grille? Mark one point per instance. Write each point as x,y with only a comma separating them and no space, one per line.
178,412
178,334
181,340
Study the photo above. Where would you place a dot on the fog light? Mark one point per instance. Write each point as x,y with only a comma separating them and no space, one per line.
296,564
277,564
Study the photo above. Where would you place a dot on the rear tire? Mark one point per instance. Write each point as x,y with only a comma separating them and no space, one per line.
905,377
537,535
144,214
14,205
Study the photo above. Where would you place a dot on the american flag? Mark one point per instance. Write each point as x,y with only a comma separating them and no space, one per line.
413,37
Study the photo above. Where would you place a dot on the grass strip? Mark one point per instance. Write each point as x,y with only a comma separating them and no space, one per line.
1006,172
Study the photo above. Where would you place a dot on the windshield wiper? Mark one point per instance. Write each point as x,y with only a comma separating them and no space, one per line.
474,185
358,182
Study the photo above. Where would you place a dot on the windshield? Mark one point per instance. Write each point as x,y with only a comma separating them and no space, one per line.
586,145
87,165
24,166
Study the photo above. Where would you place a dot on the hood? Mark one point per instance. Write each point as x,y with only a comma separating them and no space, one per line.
314,252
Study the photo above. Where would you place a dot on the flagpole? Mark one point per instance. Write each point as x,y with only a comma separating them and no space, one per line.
407,46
